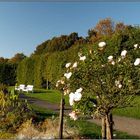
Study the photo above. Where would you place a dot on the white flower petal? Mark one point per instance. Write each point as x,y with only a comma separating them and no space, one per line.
117,82
71,99
77,96
120,86
82,58
79,90
123,53
68,75
74,65
113,63
102,44
137,62
73,115
135,45
110,57
67,65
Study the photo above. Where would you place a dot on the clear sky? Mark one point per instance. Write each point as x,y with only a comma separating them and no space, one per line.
24,25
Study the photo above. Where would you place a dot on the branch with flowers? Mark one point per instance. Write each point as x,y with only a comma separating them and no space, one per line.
97,83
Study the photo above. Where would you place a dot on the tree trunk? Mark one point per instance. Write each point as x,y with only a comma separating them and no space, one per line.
61,117
103,128
111,124
47,84
109,127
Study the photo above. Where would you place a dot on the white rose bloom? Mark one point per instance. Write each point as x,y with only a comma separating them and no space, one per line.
102,44
79,90
120,86
113,63
117,82
82,58
110,58
74,65
68,75
71,99
77,96
73,115
137,62
135,45
123,53
67,65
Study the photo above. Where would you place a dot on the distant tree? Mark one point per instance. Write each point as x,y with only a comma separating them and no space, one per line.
120,27
17,58
41,49
61,43
105,27
3,60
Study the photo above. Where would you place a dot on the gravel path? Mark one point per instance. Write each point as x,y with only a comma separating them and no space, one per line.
124,124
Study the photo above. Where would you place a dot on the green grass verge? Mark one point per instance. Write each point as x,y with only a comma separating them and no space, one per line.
133,112
42,113
51,96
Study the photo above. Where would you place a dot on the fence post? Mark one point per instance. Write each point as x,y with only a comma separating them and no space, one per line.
62,103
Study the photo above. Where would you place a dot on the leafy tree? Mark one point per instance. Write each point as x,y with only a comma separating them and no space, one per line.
3,60
57,44
105,81
105,28
8,73
17,58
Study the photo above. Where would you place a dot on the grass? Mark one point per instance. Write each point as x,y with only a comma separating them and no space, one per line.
42,113
51,96
133,112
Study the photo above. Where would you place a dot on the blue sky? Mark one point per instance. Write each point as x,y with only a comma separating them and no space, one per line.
24,25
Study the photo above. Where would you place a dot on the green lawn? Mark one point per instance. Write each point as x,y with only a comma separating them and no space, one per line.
51,96
133,112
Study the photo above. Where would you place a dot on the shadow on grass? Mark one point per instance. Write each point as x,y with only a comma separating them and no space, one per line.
43,91
41,114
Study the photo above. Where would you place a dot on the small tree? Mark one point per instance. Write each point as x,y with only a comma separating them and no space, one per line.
99,82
